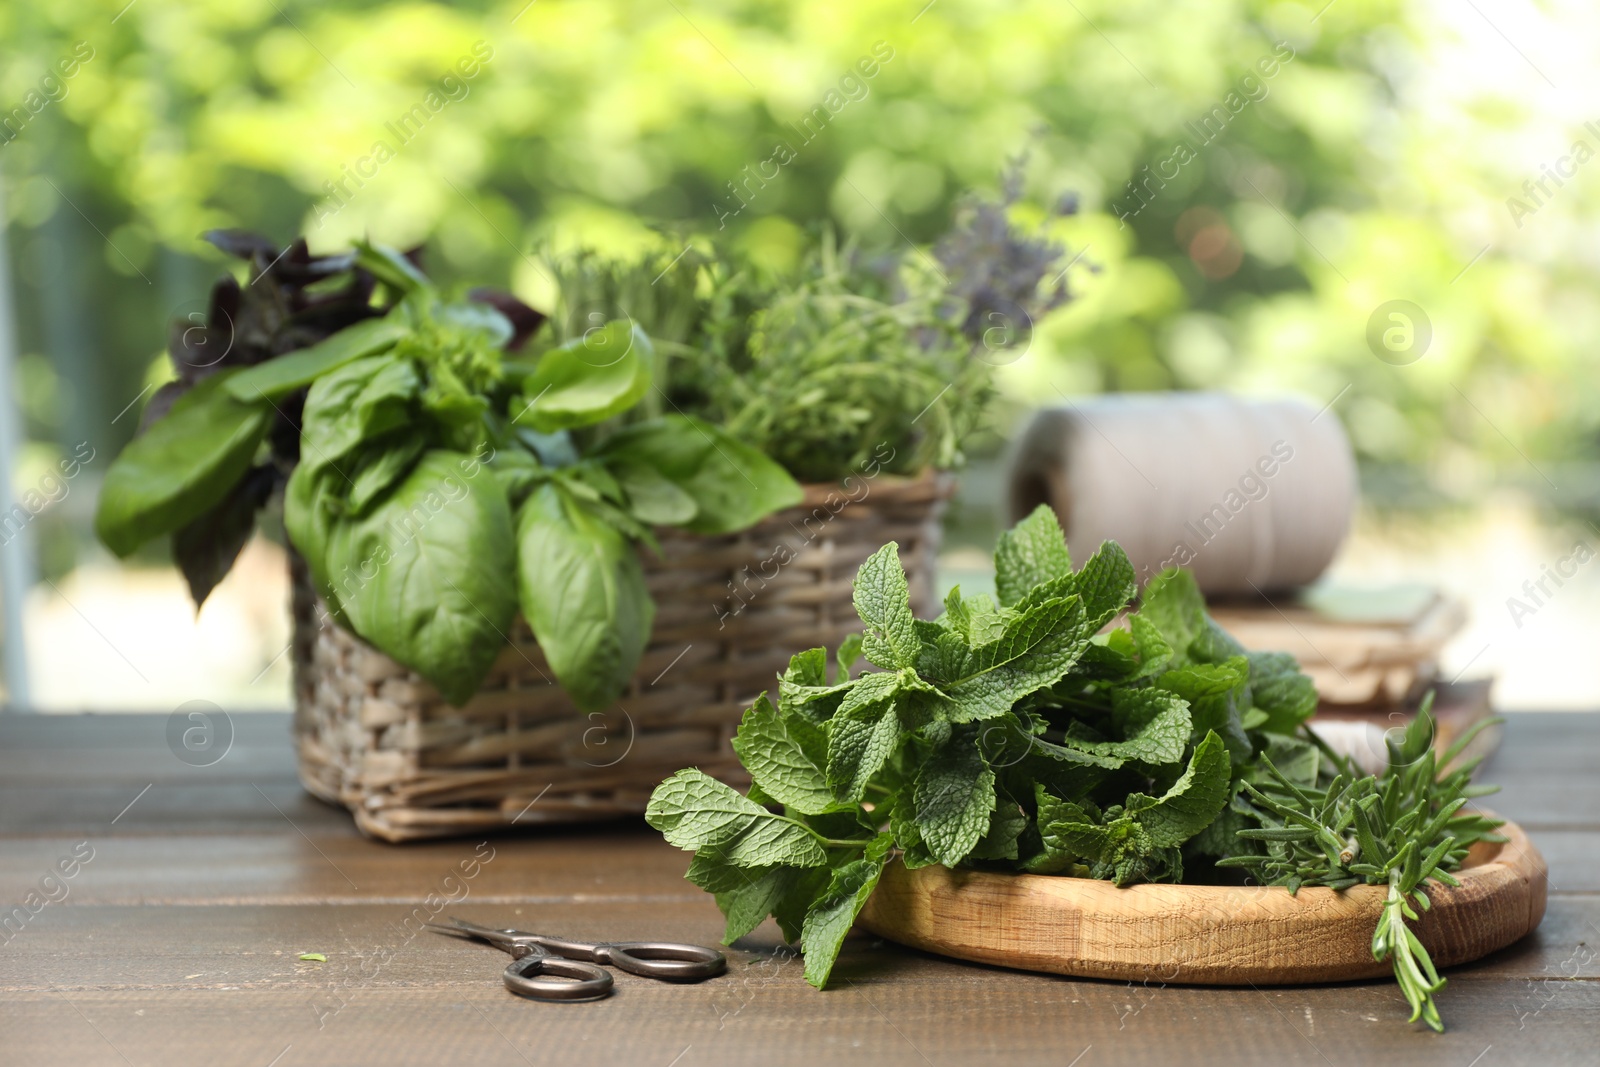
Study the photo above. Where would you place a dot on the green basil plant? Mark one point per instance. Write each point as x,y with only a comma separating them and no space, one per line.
443,480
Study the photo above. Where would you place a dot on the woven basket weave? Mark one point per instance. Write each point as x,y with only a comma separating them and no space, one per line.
730,611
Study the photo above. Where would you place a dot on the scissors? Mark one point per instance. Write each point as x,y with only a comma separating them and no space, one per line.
536,957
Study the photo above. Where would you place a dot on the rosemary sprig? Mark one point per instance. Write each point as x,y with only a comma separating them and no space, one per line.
1400,829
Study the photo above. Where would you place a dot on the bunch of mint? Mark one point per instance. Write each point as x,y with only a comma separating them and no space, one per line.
1009,733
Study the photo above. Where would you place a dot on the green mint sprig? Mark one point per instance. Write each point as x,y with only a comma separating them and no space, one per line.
1008,733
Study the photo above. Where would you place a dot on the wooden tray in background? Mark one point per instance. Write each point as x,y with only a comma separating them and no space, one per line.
1201,935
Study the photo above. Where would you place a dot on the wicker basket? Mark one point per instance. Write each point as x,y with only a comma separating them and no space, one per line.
730,611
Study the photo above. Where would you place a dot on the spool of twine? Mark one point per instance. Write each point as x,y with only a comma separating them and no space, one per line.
1249,495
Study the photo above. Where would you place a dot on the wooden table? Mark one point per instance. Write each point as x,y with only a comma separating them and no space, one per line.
177,940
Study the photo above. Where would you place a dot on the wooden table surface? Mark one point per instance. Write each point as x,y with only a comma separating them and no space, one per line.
176,940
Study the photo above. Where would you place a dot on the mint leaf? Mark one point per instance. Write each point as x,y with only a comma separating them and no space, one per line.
745,906
954,796
862,734
785,755
790,910
830,918
1152,648
1194,800
883,601
1173,603
1215,692
1006,824
1106,583
979,619
694,811
849,654
1032,552
1034,651
1278,689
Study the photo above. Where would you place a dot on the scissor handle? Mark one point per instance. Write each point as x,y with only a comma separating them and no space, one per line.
668,960
590,982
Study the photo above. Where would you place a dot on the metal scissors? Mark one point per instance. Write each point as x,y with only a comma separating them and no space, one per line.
554,968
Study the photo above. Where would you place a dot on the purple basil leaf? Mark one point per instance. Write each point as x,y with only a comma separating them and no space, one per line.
205,549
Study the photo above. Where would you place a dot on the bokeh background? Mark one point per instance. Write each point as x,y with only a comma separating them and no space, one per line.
1394,152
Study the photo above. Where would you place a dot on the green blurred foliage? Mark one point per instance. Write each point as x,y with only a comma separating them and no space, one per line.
625,124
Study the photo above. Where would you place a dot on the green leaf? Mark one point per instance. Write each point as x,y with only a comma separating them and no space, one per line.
582,590
277,378
423,576
954,796
1006,824
1278,690
849,654
1194,800
1156,727
653,498
883,601
862,734
978,619
1215,692
829,920
1053,818
358,402
786,756
695,811
732,484
1106,584
589,379
1031,553
390,267
1173,603
1153,651
1033,652
383,464
809,883
746,895
311,501
180,467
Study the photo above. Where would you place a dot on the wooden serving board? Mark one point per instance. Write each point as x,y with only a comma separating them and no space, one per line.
1201,935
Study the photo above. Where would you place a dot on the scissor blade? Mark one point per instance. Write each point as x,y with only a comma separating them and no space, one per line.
504,939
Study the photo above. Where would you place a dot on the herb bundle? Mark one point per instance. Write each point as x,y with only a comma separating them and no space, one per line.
1011,734
1398,829
822,368
433,466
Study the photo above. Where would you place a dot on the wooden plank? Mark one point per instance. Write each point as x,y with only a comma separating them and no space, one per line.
88,947
274,864
774,1020
612,862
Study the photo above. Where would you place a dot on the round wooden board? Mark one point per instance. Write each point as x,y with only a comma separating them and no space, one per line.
1201,935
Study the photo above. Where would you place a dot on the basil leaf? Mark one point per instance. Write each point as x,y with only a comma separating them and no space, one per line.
423,576
653,498
732,484
181,466
310,502
277,378
588,380
355,403
206,548
583,593
383,464
390,267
